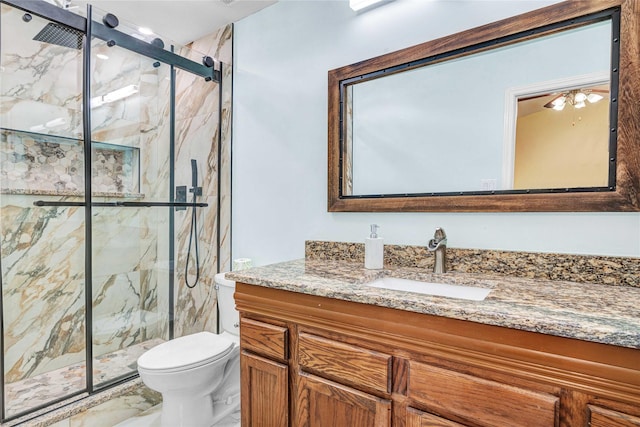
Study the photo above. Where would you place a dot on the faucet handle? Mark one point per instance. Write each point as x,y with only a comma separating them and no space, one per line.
439,240
439,235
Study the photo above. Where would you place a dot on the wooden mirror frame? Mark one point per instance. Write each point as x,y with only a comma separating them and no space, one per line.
626,195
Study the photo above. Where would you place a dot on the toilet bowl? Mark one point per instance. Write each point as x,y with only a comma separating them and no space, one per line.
198,374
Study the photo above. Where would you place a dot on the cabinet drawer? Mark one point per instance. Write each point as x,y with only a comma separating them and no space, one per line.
345,363
606,418
483,401
264,338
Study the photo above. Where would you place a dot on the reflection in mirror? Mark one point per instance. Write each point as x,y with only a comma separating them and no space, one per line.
478,123
562,140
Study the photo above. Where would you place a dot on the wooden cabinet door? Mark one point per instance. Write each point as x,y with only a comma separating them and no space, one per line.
601,417
264,392
322,403
417,418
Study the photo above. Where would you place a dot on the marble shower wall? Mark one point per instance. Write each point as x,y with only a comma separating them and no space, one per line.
198,131
43,287
42,248
130,251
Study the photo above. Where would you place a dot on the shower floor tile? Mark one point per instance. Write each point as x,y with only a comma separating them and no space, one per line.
41,389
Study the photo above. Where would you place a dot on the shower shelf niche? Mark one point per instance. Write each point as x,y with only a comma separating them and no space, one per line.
44,164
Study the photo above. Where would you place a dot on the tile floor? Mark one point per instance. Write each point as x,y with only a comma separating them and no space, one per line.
137,408
151,418
38,390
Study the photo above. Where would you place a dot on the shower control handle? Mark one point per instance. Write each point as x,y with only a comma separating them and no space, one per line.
181,196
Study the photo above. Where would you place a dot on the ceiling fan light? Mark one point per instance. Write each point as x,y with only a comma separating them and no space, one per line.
559,107
594,97
580,97
580,104
559,101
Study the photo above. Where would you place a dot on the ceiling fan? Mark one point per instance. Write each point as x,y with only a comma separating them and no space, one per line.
576,97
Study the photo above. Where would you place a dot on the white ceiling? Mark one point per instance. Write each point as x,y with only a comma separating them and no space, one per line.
181,21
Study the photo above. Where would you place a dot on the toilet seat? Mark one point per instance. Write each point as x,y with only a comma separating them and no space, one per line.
185,353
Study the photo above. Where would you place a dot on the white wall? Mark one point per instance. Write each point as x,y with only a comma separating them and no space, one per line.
281,58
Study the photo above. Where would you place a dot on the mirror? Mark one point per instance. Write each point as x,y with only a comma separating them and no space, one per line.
519,115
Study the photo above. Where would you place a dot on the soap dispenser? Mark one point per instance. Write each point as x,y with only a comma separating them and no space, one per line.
373,250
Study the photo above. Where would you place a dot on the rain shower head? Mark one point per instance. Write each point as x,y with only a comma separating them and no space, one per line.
61,35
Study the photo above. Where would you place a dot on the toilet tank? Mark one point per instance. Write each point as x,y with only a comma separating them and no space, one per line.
229,317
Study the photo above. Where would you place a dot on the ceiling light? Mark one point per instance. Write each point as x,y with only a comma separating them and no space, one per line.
358,5
55,123
121,93
580,104
594,97
559,107
580,97
113,96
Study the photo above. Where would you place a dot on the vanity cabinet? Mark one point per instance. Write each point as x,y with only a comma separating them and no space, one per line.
316,361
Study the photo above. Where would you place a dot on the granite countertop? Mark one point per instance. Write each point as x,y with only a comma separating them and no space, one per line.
584,311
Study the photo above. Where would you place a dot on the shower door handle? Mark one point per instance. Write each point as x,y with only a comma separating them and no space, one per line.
43,203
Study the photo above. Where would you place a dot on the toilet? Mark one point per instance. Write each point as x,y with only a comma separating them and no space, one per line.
198,374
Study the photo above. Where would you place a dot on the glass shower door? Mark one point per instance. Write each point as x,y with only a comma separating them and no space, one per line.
131,163
43,247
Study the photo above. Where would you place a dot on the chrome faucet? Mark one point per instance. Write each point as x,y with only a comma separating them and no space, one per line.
438,245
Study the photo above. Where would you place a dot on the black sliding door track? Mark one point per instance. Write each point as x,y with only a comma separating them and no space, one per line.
70,19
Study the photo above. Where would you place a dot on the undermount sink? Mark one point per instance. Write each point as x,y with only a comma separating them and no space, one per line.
429,288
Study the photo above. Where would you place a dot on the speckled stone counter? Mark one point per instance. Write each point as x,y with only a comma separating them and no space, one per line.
606,270
586,311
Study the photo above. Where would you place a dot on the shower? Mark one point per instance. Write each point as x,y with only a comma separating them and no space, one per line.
97,259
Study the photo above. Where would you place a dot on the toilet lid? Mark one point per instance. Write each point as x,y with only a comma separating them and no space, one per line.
186,352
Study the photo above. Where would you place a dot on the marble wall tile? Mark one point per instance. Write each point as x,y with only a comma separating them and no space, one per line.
225,168
43,287
117,318
197,105
37,70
